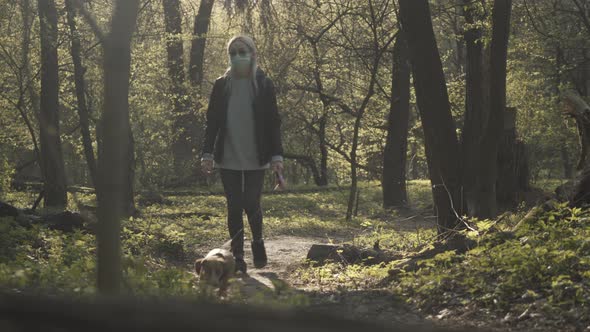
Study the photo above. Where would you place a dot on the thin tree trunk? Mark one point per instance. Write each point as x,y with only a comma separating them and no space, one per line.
201,28
309,164
323,178
567,162
26,84
414,174
396,145
488,171
52,163
578,109
476,194
353,197
377,54
181,147
83,111
113,170
441,145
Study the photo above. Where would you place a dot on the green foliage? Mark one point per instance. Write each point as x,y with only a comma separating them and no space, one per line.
543,264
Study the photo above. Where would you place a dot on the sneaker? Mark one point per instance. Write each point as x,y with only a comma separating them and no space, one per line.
259,254
241,265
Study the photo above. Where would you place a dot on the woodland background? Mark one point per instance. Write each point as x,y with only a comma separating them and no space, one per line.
437,129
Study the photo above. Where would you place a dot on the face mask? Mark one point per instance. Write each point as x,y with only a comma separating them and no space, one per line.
241,64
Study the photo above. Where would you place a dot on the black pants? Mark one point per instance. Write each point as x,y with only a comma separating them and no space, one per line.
243,190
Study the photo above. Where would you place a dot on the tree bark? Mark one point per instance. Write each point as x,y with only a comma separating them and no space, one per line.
577,108
83,111
396,145
441,145
488,171
201,28
26,81
113,171
323,176
182,143
414,173
513,173
476,115
567,163
52,163
309,163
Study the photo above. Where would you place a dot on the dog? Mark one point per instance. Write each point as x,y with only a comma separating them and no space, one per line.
216,268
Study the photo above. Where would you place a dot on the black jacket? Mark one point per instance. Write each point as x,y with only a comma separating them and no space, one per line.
267,122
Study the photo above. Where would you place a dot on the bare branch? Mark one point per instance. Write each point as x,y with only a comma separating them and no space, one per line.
90,20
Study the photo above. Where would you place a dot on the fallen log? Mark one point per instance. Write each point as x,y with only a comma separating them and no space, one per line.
320,254
65,221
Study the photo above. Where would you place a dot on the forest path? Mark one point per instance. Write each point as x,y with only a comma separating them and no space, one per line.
286,253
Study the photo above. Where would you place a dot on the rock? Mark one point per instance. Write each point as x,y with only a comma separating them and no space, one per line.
320,252
444,314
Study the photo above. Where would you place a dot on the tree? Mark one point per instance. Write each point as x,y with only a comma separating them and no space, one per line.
201,27
52,164
495,123
396,145
182,148
112,165
477,198
83,111
442,147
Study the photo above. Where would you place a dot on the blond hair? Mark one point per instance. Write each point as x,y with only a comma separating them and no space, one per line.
249,42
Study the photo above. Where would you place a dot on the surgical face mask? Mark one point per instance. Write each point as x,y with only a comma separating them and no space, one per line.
241,62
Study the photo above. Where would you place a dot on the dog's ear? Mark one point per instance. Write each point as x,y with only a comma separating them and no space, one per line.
198,264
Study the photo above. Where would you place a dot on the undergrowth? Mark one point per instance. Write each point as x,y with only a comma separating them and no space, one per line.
522,270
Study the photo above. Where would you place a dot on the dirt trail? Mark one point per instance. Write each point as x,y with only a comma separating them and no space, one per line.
287,252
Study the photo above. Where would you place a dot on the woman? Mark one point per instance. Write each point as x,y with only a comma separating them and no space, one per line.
243,139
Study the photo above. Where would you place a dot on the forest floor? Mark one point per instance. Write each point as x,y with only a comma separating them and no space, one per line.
375,303
357,291
495,285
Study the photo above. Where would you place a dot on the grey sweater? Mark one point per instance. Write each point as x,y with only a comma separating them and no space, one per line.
239,143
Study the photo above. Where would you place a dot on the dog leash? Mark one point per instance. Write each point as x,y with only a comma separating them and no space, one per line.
227,244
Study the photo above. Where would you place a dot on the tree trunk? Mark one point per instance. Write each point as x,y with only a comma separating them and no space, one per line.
441,145
309,164
396,145
26,81
577,108
567,162
83,111
201,28
488,171
513,173
353,196
414,174
182,143
476,115
323,178
113,170
52,163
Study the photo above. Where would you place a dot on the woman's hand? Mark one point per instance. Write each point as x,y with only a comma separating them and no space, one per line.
277,166
207,166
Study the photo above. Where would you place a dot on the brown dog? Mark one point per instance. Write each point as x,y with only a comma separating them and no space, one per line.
216,268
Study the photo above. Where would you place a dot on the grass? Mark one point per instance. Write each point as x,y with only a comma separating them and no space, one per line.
161,243
540,266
